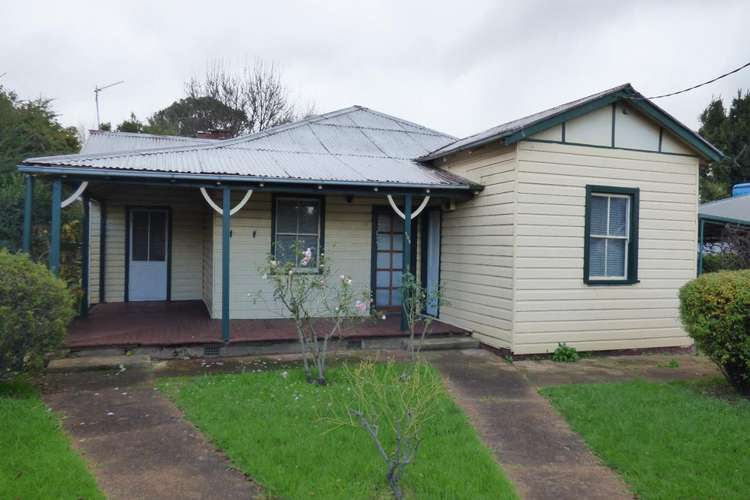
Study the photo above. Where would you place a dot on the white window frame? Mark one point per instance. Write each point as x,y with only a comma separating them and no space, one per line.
312,267
606,237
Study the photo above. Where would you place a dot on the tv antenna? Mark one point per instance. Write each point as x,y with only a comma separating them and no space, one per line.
96,98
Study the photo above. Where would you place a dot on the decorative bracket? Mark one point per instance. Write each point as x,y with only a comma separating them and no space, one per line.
77,194
234,210
415,213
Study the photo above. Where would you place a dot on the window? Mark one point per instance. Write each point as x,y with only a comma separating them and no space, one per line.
297,227
611,246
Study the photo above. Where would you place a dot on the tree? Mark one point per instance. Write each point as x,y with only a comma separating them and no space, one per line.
28,129
323,309
188,116
730,132
133,124
392,403
258,91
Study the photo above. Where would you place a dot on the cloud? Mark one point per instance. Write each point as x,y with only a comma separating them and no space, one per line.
457,67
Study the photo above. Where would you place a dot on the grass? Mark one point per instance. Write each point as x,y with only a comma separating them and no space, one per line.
36,460
276,430
668,440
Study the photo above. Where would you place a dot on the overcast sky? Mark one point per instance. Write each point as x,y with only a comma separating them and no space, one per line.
457,66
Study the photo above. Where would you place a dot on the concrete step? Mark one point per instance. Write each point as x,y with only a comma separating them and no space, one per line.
91,363
445,343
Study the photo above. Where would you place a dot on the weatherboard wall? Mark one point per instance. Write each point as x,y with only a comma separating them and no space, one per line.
348,244
552,303
188,209
477,247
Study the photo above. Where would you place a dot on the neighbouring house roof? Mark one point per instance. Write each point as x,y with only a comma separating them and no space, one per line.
516,130
101,141
355,145
734,210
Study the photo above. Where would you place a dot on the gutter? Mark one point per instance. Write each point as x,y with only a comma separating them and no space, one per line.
212,180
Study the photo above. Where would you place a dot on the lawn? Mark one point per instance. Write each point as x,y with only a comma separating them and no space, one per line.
36,459
275,427
671,440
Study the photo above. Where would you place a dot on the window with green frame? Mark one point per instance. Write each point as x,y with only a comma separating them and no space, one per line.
297,231
610,255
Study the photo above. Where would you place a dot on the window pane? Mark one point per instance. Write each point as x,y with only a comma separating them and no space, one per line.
284,250
139,246
383,241
618,208
396,296
384,260
596,257
616,258
286,216
382,297
398,224
598,214
383,279
308,216
384,223
310,242
397,278
398,241
398,260
158,241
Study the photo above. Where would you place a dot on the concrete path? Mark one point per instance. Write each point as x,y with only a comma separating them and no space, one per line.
537,449
136,441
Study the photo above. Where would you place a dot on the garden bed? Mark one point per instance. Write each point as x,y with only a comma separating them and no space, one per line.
276,428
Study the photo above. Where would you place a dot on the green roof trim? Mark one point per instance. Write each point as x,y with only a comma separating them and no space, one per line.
561,118
521,129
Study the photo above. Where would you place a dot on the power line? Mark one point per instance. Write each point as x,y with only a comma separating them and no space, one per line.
699,85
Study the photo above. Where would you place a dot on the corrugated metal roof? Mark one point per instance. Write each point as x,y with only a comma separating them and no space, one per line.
512,127
736,209
101,141
352,145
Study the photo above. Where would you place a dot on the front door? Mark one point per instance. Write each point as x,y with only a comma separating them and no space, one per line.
388,260
148,250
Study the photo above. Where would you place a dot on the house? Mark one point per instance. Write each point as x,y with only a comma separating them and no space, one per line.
714,216
577,224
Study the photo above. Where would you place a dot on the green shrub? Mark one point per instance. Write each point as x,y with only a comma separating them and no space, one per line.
722,262
565,354
715,309
35,310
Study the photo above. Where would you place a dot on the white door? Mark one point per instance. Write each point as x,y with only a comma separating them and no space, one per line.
433,260
147,275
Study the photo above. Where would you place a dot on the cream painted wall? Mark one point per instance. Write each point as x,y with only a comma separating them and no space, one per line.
552,304
348,242
633,130
188,216
477,247
592,128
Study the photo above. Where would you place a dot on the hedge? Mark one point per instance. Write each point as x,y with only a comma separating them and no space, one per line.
35,311
722,262
715,309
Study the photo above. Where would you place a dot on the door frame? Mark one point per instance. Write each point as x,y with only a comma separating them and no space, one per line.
386,209
128,229
424,228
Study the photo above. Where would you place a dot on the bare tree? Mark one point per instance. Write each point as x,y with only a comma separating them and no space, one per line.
738,238
257,90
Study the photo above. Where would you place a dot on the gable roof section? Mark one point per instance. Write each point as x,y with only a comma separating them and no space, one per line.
517,130
101,141
354,145
735,210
